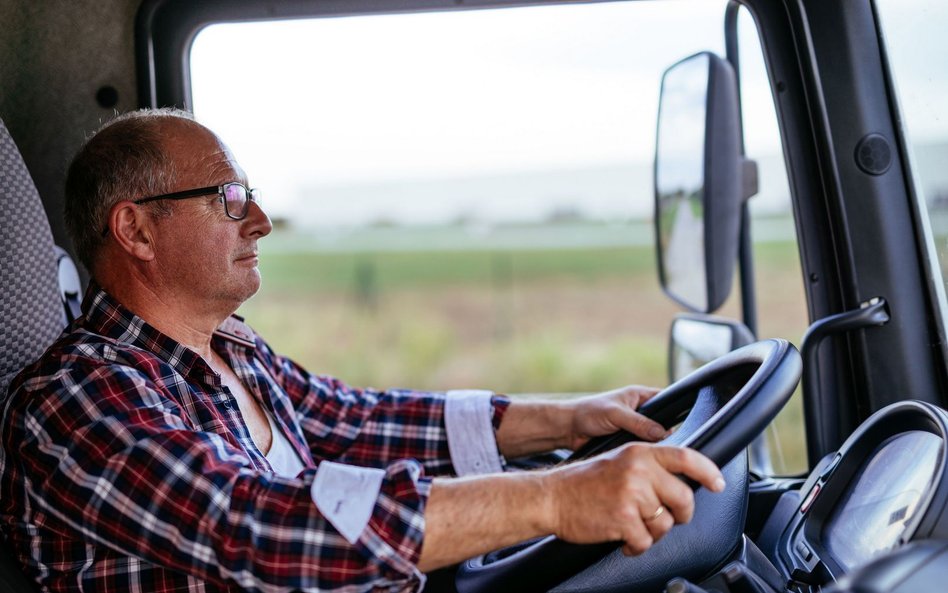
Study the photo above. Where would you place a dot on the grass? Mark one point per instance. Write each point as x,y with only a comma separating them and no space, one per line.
339,272
517,321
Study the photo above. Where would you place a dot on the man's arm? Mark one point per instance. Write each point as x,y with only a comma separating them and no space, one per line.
536,426
613,497
372,428
448,433
114,461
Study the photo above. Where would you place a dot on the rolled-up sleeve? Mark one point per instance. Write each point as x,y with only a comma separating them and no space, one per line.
472,441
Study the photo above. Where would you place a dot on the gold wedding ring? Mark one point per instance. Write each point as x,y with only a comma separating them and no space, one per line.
658,513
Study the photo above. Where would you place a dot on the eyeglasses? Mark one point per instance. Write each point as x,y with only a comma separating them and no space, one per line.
236,198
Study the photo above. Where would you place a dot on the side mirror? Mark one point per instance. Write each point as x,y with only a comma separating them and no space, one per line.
698,339
699,181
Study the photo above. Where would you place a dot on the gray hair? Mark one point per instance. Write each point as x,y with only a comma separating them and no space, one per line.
123,160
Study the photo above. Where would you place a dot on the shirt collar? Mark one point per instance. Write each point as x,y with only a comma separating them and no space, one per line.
104,315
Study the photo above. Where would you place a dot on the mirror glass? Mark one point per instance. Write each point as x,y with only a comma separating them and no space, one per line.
695,343
679,180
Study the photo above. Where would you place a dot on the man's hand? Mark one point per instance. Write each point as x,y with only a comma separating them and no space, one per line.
610,412
535,426
630,494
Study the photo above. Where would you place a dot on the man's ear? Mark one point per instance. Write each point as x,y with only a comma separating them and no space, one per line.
132,229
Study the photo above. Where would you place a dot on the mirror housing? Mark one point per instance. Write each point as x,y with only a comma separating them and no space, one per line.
699,181
697,339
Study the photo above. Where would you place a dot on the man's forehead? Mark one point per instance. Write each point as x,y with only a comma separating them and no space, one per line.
198,152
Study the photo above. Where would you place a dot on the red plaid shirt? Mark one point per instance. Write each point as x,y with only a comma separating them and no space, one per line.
126,466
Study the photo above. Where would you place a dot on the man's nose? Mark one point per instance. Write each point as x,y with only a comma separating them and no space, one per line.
257,223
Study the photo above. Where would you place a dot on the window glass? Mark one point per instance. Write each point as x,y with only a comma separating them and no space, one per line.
917,51
781,302
460,199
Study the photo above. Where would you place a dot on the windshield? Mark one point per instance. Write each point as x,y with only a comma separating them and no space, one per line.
460,198
464,198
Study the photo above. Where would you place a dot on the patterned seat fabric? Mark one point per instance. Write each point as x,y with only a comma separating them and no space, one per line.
31,311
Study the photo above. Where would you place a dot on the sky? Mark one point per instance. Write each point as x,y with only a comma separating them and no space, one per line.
325,113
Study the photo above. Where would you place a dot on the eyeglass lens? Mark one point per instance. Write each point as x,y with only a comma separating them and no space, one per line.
236,200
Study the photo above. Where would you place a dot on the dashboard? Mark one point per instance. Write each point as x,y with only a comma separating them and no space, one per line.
884,488
872,516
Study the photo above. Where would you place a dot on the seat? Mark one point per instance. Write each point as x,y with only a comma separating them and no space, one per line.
31,307
31,314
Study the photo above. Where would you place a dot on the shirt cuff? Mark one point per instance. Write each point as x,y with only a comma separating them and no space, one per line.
346,495
469,417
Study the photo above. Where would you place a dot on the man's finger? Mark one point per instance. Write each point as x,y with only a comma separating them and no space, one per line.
658,521
637,539
644,393
639,425
681,460
676,496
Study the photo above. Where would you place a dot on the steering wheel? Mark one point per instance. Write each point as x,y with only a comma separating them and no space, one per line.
722,407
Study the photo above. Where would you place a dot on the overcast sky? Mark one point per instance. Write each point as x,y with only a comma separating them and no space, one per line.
349,101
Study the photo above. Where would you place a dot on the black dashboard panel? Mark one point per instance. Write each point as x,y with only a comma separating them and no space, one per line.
885,487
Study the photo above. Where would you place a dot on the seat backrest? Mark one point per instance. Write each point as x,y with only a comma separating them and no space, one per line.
31,310
31,313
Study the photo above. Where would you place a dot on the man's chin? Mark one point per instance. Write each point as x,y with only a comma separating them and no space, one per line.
253,285
238,294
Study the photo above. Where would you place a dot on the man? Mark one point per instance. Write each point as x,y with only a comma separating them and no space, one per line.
161,445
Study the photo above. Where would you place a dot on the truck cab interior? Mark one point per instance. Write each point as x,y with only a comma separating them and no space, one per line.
855,88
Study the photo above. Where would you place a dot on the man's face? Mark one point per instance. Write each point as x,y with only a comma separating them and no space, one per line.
201,254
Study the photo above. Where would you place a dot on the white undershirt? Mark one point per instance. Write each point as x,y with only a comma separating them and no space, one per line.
284,460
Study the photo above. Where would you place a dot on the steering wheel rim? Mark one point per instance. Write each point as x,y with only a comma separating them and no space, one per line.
768,372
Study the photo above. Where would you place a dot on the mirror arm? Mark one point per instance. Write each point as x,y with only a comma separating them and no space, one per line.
749,175
746,248
746,269
750,183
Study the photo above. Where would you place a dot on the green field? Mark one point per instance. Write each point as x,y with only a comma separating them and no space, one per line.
517,321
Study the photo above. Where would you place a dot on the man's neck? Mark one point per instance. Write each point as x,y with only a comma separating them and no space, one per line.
187,323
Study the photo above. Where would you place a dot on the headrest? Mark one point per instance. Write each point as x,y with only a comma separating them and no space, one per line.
31,314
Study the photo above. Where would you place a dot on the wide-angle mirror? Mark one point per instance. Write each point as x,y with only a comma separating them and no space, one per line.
698,339
698,181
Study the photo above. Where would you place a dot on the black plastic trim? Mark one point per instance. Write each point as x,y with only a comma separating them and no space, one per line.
904,358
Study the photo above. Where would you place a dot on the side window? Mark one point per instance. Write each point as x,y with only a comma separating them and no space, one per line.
916,48
781,304
460,199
